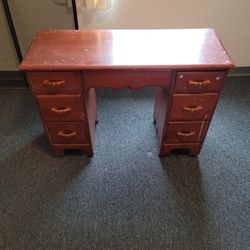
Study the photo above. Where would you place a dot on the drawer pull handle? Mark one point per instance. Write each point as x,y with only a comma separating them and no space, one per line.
200,84
192,109
66,135
49,83
185,134
60,110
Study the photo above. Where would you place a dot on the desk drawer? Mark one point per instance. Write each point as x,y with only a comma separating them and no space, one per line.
61,107
178,132
67,133
55,82
133,79
193,106
199,81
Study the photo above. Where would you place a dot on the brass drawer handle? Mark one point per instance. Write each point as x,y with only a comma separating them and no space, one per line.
200,83
49,83
66,135
192,109
186,134
60,110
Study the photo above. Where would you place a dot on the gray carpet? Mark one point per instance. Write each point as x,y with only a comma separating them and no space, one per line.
125,197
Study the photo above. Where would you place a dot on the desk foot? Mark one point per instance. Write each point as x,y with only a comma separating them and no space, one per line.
90,155
60,150
57,152
192,149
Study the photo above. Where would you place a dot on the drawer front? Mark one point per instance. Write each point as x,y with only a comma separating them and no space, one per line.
68,133
193,106
127,78
199,81
178,132
61,107
55,82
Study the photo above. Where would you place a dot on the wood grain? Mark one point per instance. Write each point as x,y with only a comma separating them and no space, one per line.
126,49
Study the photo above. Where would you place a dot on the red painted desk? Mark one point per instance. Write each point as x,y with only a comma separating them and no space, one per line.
187,67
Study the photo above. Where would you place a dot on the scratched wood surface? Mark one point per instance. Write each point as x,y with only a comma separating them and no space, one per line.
121,49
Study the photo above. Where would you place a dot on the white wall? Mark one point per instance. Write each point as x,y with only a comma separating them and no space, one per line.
7,52
230,18
29,16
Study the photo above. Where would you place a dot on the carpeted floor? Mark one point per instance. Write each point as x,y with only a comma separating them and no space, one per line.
125,197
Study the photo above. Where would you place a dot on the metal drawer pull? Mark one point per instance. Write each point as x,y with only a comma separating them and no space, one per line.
200,84
196,108
60,110
49,83
66,135
186,134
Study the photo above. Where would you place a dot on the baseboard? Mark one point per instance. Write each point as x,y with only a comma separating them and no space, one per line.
12,79
239,71
16,79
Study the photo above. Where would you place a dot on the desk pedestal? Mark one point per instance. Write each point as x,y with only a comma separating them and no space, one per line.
184,105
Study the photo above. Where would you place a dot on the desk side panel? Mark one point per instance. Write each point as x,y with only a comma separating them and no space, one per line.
160,111
90,103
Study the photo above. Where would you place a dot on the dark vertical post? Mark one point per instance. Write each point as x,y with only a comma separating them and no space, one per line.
75,14
12,29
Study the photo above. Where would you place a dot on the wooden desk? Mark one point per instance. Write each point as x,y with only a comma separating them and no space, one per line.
188,68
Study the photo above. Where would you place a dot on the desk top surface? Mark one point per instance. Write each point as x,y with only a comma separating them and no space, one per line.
126,49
